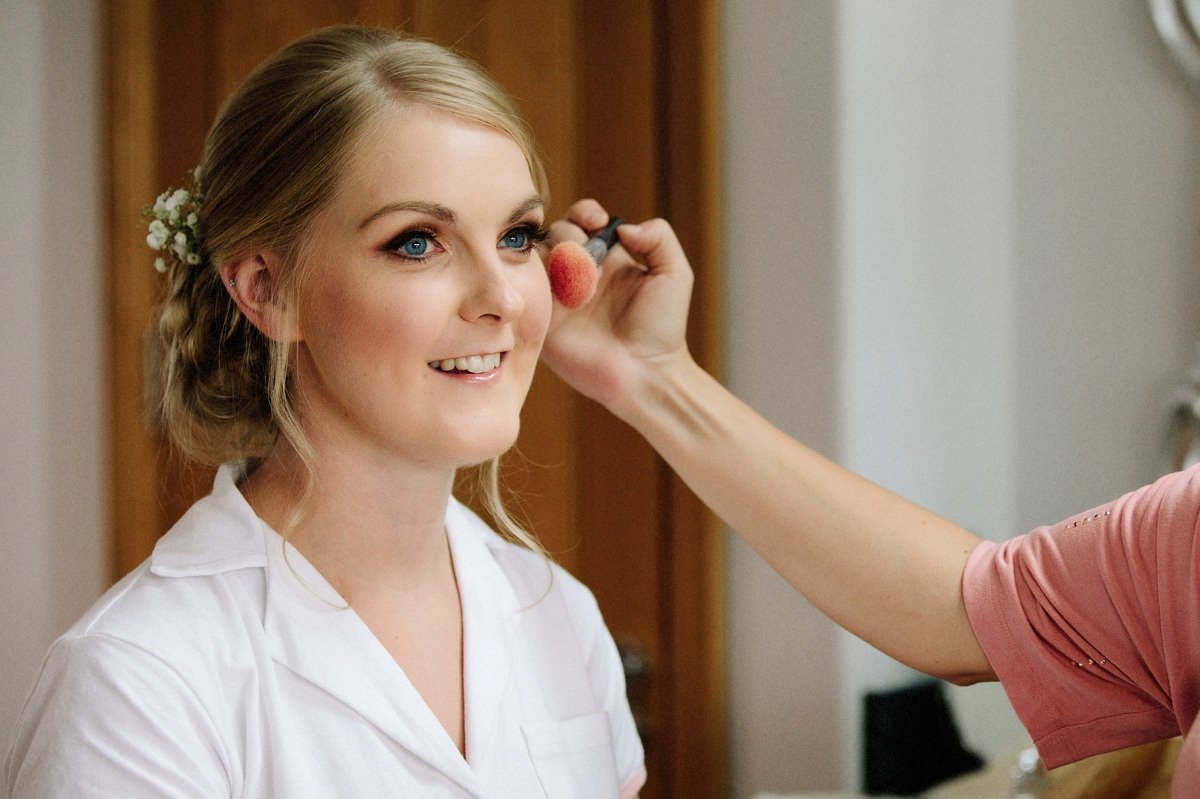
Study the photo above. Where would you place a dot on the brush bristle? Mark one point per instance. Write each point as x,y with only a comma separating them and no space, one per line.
572,274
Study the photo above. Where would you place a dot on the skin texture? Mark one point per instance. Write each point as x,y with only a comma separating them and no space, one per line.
426,254
883,568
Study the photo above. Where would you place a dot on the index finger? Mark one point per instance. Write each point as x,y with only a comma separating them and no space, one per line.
588,214
655,245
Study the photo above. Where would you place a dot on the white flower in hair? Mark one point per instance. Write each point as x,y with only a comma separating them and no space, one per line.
174,227
158,235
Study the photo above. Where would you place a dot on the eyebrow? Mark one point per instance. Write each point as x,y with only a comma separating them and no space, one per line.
536,201
429,209
444,214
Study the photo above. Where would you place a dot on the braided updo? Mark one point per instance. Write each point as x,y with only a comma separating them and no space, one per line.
272,161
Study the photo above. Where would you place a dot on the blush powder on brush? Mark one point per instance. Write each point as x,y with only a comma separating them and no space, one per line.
572,266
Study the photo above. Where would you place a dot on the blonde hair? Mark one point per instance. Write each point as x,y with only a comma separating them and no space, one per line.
272,160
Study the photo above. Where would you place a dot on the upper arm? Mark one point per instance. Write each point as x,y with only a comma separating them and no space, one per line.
1090,623
107,718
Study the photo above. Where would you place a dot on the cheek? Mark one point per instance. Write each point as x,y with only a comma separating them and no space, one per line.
539,305
368,325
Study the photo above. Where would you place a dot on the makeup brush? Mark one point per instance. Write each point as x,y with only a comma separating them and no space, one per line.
572,266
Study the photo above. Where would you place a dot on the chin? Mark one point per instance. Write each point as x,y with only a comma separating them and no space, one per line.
476,452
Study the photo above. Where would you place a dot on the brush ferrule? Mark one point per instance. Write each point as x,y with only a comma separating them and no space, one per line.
597,248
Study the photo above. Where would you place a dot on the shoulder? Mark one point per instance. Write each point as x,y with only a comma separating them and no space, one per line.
1146,538
186,619
193,602
110,715
151,674
1089,623
1169,507
1140,532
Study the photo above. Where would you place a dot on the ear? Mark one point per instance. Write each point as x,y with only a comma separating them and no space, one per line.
253,283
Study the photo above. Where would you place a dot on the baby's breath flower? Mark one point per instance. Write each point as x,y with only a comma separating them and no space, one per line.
158,235
174,226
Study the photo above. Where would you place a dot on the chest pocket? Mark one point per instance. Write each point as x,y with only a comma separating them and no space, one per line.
574,758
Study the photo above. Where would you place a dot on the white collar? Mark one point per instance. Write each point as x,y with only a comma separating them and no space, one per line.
221,533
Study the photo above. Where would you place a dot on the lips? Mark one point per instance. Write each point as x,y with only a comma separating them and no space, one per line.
474,364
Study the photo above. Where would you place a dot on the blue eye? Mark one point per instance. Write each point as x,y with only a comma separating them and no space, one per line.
516,239
524,238
414,245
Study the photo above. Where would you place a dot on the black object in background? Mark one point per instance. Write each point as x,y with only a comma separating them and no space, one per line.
911,741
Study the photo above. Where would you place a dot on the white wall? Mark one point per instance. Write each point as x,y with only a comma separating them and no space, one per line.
926,219
962,258
53,531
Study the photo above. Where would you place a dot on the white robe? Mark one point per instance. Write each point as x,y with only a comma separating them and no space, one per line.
223,667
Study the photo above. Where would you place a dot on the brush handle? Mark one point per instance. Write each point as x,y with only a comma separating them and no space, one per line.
603,240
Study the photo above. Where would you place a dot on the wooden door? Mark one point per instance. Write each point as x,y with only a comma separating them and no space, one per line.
622,96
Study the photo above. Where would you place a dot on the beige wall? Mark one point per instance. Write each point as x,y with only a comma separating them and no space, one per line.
782,355
52,527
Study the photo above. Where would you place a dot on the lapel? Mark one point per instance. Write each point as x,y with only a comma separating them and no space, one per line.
219,533
491,618
312,632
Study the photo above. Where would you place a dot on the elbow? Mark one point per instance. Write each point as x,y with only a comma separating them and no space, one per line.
963,662
965,678
961,668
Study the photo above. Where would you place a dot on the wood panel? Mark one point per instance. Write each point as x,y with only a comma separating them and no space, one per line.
131,143
689,135
622,506
629,116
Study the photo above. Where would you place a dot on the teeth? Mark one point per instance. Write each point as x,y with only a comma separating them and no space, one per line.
475,364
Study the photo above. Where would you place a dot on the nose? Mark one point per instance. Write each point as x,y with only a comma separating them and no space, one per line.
491,292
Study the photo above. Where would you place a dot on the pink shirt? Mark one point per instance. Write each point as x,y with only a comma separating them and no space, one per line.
1093,625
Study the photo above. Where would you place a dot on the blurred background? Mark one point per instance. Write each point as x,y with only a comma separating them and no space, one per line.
954,246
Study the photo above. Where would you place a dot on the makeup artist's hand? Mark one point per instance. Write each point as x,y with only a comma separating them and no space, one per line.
820,526
635,326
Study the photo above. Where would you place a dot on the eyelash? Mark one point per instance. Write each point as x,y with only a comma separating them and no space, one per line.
536,234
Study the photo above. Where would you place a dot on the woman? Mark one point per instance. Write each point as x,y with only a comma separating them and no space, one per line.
355,306
1090,624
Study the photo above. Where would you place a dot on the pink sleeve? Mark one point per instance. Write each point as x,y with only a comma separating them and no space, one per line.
630,789
1090,624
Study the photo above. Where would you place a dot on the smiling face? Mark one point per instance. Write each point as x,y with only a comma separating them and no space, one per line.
425,303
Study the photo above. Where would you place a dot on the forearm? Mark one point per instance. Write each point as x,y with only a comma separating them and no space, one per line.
878,565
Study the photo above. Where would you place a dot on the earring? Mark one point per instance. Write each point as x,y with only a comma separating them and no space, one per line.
231,282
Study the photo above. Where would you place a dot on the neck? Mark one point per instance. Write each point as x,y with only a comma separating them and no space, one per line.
362,528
